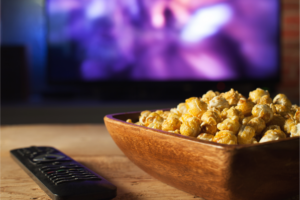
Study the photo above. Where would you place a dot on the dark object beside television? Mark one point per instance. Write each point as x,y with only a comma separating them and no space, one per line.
14,73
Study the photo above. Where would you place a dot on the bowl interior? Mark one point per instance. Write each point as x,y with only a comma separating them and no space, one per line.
134,116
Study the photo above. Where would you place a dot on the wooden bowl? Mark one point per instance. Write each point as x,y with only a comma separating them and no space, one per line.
210,170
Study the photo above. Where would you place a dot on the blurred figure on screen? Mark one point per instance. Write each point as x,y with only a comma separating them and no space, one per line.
173,39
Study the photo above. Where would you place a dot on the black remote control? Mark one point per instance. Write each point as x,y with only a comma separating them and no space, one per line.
61,177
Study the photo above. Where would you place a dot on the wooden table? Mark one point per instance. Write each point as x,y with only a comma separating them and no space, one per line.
92,146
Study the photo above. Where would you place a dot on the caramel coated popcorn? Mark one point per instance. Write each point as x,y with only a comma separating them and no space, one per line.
229,118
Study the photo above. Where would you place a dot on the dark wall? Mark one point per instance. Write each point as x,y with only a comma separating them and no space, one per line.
23,24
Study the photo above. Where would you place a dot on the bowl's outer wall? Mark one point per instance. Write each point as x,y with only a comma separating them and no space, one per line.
268,171
173,161
210,171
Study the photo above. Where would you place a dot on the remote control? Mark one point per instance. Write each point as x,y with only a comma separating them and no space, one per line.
60,176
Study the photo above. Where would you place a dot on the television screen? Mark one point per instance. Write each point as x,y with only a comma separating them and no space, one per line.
163,40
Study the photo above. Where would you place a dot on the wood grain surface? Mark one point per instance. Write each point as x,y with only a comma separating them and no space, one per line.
92,146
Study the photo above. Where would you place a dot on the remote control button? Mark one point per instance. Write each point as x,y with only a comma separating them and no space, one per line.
54,174
60,176
65,176
48,157
59,182
76,173
86,177
72,169
71,164
68,167
62,170
33,154
66,180
52,168
55,179
62,179
48,169
65,173
47,166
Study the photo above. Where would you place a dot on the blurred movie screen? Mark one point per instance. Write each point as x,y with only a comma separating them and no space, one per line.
162,40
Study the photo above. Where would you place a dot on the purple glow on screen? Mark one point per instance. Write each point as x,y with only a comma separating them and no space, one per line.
166,39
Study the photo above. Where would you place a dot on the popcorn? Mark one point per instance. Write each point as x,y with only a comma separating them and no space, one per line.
196,107
225,137
172,123
247,119
185,117
143,116
211,117
289,124
258,124
255,95
209,96
175,111
245,106
246,134
190,127
165,114
205,136
219,103
177,131
160,112
152,118
156,125
297,116
282,104
182,108
295,131
230,124
232,112
272,135
271,127
296,111
229,118
210,129
232,97
266,99
262,111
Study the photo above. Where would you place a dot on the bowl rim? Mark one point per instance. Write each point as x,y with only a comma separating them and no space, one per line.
191,139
